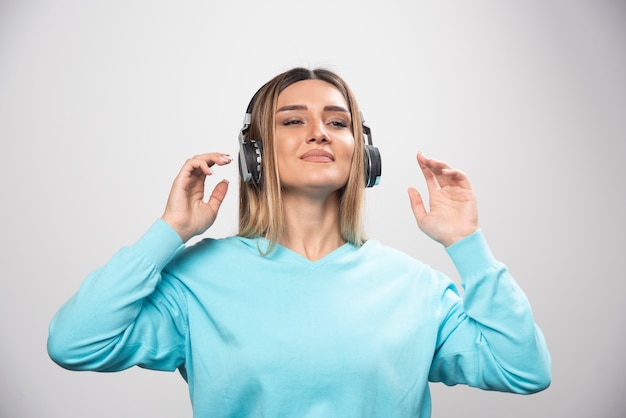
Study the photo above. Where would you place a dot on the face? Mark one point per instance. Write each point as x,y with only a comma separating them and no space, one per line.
313,137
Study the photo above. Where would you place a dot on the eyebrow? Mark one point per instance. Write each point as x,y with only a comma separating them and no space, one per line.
331,108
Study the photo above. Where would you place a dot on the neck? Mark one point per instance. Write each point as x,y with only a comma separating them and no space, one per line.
311,226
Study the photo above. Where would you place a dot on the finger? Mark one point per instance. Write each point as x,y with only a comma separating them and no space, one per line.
417,204
196,166
203,162
214,158
429,176
456,178
218,194
437,167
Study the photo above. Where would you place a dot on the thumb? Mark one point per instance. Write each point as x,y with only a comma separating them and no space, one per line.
217,196
417,204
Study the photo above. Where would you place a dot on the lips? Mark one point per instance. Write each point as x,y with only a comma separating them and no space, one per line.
318,155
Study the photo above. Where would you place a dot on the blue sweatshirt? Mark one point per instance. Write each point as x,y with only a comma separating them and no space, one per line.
358,333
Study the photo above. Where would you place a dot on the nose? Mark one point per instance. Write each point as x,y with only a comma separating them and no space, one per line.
318,133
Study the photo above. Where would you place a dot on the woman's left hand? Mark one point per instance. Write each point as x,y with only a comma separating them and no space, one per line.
453,213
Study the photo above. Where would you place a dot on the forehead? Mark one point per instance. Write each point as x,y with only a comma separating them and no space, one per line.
310,92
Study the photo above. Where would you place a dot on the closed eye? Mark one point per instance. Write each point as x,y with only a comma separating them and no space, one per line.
339,124
292,122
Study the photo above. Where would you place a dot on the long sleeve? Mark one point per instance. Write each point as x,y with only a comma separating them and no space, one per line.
488,339
124,314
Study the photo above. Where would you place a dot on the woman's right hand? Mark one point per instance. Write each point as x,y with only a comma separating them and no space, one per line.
186,210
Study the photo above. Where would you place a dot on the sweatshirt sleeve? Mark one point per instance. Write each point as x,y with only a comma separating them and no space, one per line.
488,338
124,314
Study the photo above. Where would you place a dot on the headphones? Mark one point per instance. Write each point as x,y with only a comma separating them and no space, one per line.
251,153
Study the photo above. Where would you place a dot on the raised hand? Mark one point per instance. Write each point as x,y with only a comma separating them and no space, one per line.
453,213
186,210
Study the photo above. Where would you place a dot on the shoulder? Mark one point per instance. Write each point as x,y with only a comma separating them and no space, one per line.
376,255
215,252
419,281
231,244
376,249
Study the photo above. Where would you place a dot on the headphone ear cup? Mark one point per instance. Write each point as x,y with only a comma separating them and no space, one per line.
250,157
373,165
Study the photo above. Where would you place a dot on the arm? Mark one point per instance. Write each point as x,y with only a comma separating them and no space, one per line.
118,318
488,338
126,313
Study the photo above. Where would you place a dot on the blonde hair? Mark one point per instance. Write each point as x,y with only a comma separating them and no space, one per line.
260,205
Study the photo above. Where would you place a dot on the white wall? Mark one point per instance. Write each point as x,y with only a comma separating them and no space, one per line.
101,102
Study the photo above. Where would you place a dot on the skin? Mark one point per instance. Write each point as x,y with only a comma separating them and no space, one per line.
314,147
314,140
453,213
186,211
309,118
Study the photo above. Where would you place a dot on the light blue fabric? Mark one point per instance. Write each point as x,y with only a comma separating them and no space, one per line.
356,334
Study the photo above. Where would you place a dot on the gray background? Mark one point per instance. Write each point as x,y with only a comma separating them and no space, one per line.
102,101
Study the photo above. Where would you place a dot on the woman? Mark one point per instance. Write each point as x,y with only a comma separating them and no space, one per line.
299,315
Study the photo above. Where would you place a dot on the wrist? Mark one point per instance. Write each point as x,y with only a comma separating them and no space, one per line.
182,231
159,243
449,241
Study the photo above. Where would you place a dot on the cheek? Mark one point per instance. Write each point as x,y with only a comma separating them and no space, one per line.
348,149
282,149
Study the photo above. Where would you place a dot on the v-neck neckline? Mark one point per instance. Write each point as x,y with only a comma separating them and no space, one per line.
282,253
